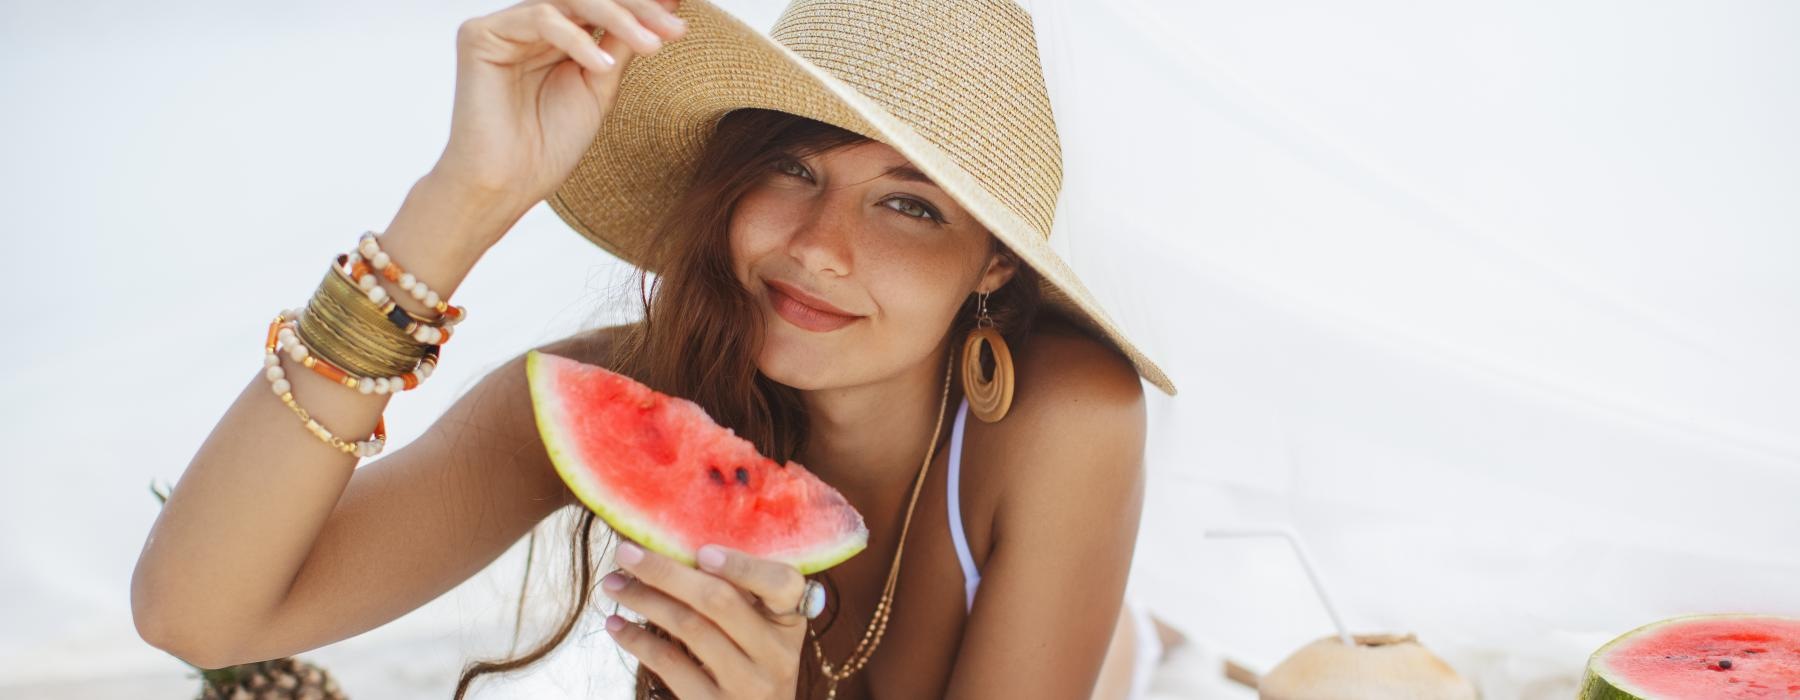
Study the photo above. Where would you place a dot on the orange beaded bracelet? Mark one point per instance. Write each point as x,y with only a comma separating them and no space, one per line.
358,273
278,382
285,329
368,251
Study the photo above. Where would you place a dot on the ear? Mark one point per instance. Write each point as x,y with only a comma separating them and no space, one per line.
1000,269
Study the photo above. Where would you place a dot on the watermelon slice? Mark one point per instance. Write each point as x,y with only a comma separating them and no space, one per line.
658,470
1699,656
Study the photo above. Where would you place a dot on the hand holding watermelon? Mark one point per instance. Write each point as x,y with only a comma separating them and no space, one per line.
740,649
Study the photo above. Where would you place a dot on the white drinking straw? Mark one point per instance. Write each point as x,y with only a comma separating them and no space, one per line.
1312,573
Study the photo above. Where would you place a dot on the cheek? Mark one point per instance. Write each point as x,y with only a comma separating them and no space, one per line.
919,288
753,236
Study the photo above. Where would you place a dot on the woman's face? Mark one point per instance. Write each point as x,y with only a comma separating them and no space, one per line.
894,255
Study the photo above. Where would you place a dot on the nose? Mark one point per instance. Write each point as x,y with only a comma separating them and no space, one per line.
822,240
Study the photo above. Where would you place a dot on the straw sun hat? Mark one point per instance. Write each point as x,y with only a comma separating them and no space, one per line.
955,86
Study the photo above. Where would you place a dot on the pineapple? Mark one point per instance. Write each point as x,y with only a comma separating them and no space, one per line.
285,678
281,679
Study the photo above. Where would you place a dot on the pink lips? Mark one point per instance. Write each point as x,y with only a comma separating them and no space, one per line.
811,314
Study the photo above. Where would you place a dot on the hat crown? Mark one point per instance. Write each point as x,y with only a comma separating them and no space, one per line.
964,75
957,86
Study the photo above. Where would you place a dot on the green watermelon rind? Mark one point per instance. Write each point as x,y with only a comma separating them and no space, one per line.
549,412
1600,681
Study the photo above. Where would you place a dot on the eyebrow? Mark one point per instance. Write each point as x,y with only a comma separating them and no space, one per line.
908,173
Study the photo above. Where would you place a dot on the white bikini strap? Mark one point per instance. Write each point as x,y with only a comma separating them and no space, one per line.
953,498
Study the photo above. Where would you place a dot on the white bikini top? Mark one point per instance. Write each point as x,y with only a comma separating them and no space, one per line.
953,498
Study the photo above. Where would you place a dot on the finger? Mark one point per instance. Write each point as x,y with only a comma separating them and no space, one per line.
604,85
575,41
662,656
608,15
520,29
777,584
659,17
719,600
721,656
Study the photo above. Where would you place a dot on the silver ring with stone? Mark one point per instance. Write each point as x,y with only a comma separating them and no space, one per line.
812,600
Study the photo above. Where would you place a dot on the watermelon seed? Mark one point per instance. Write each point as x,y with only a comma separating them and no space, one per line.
743,476
713,473
1724,663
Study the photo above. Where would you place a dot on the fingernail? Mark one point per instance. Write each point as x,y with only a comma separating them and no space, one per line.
711,558
649,37
673,22
613,582
614,623
630,554
606,57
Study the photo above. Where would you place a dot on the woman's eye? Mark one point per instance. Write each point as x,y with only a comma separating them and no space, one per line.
906,206
909,206
793,167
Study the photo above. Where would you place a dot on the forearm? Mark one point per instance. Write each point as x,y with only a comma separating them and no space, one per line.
233,535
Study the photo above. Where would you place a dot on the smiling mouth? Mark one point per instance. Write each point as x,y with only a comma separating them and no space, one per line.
806,317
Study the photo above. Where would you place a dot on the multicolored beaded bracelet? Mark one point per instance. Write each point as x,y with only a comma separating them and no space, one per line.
285,330
368,249
278,381
358,273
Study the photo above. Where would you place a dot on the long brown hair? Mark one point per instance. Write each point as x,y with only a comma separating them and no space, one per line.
701,331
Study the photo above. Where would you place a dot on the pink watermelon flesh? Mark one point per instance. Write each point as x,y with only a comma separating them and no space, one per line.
1682,658
659,471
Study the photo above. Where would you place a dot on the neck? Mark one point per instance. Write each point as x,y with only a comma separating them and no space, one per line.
869,441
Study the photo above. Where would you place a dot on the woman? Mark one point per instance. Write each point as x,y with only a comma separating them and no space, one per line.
814,289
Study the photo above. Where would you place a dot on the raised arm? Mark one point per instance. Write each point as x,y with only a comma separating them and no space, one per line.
409,526
272,541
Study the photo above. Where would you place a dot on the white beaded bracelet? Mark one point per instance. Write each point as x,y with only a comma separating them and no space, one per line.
368,249
289,342
278,382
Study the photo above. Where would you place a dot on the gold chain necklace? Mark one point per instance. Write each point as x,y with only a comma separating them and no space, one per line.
878,625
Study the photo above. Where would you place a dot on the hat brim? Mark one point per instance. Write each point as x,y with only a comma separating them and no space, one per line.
668,103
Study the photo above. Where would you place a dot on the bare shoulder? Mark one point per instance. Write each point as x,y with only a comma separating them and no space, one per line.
494,421
1067,464
593,346
1064,376
1078,416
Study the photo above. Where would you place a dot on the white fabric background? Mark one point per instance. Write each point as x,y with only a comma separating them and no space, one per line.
1494,304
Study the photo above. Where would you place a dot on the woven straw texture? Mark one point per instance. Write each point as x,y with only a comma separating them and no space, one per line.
953,86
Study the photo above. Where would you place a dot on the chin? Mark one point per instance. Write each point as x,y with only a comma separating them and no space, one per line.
791,358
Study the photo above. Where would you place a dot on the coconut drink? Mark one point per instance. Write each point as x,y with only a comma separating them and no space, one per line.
1350,667
1372,667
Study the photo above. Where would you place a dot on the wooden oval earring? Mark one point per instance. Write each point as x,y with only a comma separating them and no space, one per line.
989,397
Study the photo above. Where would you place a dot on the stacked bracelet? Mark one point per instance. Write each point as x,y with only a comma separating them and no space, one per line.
342,325
356,336
368,249
357,272
286,330
278,382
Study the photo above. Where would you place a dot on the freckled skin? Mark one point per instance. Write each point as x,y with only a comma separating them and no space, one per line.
1069,452
852,237
1050,496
